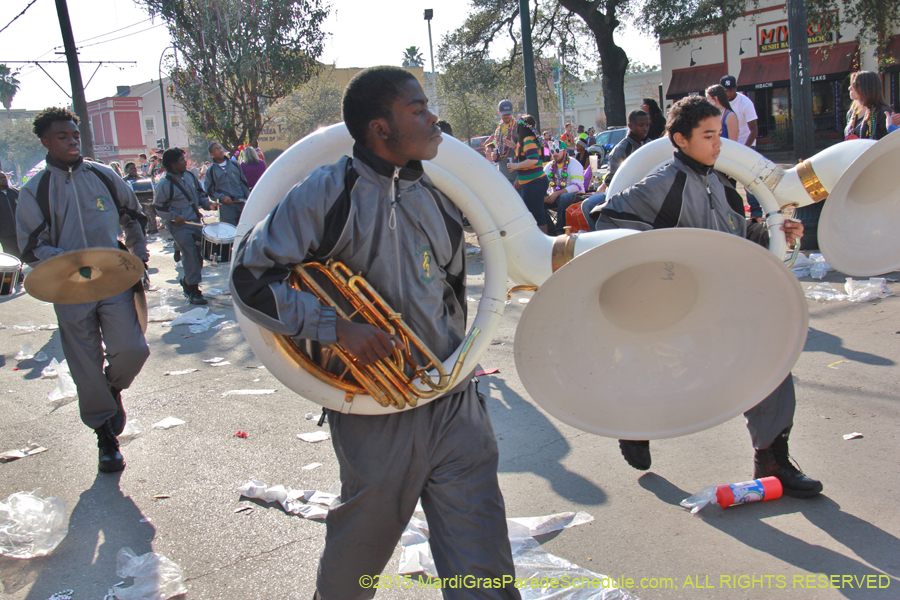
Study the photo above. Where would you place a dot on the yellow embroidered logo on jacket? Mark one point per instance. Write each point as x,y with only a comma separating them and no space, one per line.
425,259
99,204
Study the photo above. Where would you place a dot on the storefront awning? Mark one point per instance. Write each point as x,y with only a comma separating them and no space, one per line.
773,71
694,80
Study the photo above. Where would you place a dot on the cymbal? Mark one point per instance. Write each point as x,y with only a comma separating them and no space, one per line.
81,276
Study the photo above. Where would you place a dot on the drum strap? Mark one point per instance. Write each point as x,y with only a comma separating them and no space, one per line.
175,183
42,197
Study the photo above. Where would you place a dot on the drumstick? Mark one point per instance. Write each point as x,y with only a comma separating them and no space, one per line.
191,223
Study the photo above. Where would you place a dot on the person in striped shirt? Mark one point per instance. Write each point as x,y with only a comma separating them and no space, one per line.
529,167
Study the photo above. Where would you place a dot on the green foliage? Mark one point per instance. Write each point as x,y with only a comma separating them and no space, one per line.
470,91
412,57
9,85
237,58
315,104
636,67
875,20
20,149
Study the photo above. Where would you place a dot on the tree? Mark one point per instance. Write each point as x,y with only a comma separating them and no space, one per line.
20,149
575,31
9,85
412,57
315,104
238,58
469,92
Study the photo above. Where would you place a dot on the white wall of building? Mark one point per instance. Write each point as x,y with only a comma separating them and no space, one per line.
588,105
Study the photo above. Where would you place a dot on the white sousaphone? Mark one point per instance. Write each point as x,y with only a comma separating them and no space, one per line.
652,335
857,228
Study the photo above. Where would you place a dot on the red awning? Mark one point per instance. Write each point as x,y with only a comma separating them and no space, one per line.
826,64
695,80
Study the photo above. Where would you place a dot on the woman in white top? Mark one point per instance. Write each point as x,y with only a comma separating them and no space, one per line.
716,95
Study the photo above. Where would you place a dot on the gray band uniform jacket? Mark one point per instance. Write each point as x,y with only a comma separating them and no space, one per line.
189,208
664,199
82,215
400,234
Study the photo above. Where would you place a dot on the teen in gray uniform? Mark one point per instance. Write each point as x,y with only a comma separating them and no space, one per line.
73,205
177,199
379,214
225,183
689,193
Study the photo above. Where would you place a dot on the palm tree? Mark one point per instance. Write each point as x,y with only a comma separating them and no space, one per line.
412,57
9,85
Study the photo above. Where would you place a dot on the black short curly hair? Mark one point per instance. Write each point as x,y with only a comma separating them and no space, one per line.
170,157
686,114
369,96
48,116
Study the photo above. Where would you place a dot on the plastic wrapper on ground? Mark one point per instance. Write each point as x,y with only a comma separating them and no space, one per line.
309,504
825,292
31,525
864,291
65,386
155,577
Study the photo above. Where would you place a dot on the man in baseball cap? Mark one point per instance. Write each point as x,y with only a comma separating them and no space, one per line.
503,139
748,129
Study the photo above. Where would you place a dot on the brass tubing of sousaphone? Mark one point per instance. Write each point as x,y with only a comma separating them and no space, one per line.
385,380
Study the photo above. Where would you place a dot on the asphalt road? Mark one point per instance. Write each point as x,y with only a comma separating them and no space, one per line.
788,548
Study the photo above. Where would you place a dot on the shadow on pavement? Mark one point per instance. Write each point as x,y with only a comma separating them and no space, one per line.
103,521
746,525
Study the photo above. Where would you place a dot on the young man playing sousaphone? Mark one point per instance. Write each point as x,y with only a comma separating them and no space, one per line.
688,192
406,239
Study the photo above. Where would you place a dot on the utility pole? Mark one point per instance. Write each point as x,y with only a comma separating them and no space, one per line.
801,86
78,101
429,14
531,100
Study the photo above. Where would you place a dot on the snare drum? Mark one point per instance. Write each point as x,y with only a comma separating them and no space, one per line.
10,274
217,241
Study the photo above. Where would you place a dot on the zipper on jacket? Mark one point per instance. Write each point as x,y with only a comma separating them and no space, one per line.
392,222
78,204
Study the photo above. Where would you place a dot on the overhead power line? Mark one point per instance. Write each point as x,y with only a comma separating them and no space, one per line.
120,37
110,32
18,15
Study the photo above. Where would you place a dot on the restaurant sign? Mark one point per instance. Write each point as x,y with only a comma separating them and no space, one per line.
774,36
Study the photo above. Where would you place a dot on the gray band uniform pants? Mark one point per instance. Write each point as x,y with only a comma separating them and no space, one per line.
231,213
773,415
444,453
82,328
188,239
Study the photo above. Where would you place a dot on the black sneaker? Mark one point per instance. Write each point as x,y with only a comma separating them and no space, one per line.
117,421
111,460
636,453
177,255
185,288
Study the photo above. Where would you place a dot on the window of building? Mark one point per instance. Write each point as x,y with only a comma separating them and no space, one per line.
149,125
175,121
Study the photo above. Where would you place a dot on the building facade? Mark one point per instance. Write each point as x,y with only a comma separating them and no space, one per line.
587,107
755,51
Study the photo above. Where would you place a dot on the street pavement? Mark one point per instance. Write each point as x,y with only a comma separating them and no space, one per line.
178,494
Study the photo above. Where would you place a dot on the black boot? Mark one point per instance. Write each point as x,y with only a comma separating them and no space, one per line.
774,461
118,420
177,255
636,453
196,295
111,459
185,288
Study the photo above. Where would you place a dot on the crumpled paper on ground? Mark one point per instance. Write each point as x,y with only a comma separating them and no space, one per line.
155,577
65,387
864,291
531,561
168,423
31,525
306,503
815,266
198,319
22,452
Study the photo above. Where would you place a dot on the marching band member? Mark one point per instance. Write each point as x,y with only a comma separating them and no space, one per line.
688,192
379,214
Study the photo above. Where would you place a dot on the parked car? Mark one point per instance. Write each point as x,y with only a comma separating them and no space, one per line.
607,140
477,143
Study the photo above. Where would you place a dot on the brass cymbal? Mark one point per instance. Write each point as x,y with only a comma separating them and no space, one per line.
81,276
